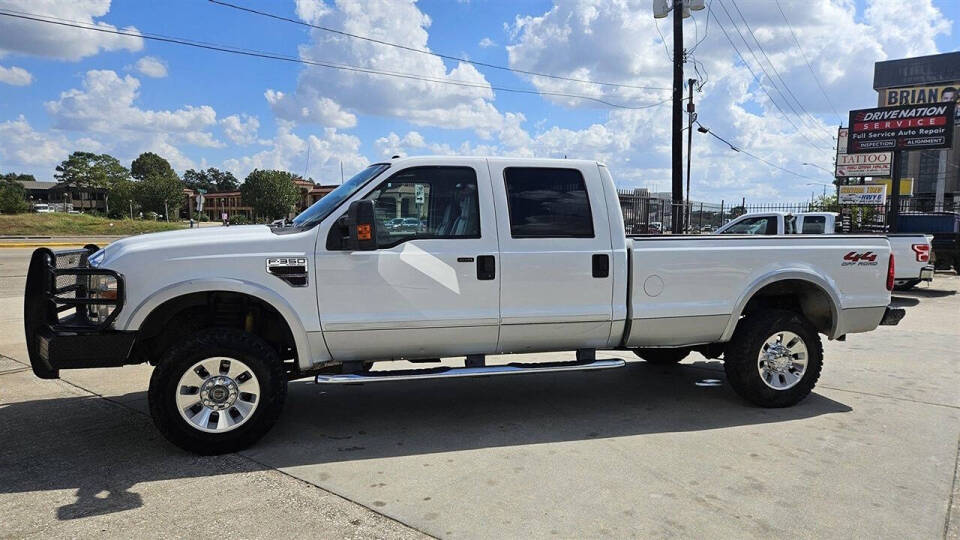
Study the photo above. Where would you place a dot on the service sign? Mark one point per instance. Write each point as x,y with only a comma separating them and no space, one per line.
908,127
851,165
868,194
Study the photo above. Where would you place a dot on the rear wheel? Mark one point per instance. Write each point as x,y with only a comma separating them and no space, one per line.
774,358
218,391
662,357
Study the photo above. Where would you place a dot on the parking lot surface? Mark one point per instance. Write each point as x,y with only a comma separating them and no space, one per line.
637,452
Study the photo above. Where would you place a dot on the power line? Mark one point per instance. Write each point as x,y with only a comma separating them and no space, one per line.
736,27
736,148
804,55
760,81
427,51
345,67
773,67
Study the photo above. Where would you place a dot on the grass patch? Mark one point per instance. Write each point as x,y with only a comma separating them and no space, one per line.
58,224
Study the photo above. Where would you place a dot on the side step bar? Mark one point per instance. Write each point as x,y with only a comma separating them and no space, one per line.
452,372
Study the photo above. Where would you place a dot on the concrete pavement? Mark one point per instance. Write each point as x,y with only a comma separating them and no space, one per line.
637,452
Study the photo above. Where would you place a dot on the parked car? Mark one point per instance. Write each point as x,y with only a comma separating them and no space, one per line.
528,256
911,251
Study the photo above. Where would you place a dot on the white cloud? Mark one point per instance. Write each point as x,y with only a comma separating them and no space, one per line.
16,76
334,98
241,129
151,66
61,42
23,148
106,105
487,42
289,151
616,42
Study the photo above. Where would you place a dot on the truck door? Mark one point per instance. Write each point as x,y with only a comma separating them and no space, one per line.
432,286
556,289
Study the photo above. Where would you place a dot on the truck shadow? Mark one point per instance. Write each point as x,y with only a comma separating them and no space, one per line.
102,449
926,293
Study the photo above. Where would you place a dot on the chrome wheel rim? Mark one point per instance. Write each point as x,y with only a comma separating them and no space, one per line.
217,394
782,360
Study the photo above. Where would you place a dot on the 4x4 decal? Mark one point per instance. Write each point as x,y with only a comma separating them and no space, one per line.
867,258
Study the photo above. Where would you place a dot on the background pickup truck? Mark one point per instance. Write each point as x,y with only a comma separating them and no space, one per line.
911,251
509,256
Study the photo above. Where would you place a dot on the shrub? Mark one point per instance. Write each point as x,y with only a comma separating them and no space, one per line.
239,219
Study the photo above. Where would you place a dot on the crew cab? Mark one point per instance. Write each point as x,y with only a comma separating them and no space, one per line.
912,251
510,256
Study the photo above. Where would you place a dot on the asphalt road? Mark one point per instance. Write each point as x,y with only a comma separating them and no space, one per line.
637,452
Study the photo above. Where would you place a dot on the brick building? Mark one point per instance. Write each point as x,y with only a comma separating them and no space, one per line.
231,203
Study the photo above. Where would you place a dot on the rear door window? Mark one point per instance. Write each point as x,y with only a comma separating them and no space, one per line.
547,203
814,225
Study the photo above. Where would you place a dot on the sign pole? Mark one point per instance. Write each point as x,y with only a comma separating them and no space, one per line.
895,192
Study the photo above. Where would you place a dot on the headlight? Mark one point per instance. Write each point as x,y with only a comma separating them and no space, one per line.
101,287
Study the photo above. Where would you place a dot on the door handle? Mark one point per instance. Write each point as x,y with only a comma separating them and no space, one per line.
486,267
601,265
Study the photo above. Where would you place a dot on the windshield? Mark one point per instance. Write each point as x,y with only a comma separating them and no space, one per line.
319,210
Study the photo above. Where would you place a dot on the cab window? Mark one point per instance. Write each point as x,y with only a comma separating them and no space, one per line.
755,225
425,203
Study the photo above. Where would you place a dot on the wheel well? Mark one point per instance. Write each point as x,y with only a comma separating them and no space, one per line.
170,321
797,295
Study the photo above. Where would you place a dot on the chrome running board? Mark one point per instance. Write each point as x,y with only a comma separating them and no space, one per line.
454,372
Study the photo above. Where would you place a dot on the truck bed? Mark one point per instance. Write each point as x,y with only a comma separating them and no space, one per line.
680,287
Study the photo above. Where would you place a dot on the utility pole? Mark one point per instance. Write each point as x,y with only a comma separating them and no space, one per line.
678,54
690,114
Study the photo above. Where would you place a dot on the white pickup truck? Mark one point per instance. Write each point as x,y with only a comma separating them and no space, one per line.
911,251
508,256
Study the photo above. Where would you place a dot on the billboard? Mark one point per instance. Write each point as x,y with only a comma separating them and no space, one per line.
906,184
869,194
906,127
850,165
918,95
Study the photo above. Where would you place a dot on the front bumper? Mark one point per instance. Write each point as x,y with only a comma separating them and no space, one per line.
926,273
892,316
60,331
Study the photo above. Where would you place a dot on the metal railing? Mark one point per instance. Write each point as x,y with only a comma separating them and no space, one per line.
651,215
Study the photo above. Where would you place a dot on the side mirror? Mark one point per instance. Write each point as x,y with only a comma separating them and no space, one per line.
361,226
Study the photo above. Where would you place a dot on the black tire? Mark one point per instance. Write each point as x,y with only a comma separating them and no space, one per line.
906,285
249,349
662,357
742,356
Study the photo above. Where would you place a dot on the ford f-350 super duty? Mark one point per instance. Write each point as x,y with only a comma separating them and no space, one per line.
492,256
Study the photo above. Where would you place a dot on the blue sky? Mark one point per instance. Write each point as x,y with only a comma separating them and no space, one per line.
66,89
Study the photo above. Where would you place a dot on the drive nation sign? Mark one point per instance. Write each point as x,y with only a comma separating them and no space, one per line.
908,127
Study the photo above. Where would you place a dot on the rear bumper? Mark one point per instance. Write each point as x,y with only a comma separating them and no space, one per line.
892,316
62,332
926,273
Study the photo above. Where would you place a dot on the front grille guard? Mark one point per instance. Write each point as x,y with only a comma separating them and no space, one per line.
57,283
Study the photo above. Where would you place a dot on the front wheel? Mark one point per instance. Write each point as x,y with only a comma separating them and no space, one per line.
218,391
774,358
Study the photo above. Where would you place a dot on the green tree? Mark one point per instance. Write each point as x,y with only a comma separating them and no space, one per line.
13,196
737,211
159,188
272,194
93,172
211,180
18,177
76,172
